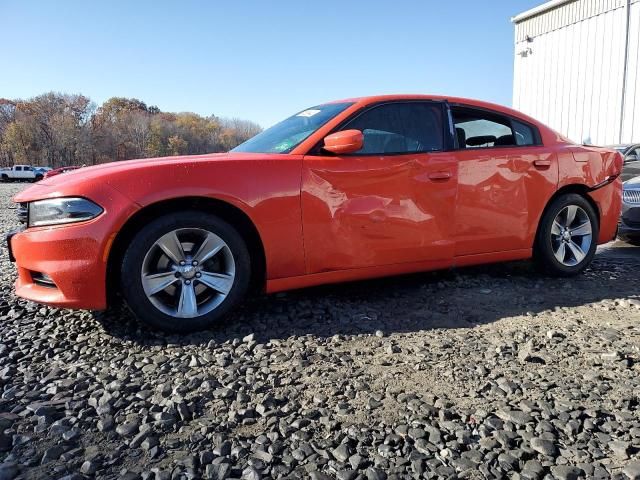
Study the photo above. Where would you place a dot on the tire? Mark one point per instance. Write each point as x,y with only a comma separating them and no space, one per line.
5,178
553,244
38,178
189,303
632,241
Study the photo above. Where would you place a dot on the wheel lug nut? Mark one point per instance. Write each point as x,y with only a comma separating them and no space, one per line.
182,263
177,274
198,275
194,263
188,282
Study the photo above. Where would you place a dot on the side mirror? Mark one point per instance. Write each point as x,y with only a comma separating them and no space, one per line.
347,141
632,157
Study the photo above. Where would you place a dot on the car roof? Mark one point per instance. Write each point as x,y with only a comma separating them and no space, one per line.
362,101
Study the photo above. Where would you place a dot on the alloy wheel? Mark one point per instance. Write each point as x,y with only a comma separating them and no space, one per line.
571,235
188,272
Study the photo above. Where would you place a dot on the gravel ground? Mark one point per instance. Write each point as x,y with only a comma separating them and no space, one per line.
492,372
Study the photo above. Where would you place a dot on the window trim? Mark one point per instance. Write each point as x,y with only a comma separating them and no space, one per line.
317,150
511,118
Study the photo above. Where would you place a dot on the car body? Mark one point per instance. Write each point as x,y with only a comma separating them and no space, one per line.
59,170
631,155
422,183
21,173
629,229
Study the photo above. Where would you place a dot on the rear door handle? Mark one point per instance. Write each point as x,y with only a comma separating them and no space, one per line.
439,176
542,164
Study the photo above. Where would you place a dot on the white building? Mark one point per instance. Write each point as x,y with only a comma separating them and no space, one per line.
577,68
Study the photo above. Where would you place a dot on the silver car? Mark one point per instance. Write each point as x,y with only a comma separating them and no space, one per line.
631,154
629,226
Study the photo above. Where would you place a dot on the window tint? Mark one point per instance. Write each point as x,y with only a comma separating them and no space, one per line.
400,128
28,169
477,128
19,169
523,133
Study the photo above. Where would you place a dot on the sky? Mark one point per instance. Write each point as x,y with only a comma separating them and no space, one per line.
257,60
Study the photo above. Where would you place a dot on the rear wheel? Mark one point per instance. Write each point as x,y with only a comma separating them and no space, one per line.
183,272
567,236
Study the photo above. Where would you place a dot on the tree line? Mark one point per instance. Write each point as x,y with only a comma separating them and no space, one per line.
56,129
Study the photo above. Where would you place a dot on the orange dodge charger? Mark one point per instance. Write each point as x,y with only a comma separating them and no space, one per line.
341,191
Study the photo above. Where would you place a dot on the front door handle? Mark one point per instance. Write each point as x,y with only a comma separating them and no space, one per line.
542,164
439,176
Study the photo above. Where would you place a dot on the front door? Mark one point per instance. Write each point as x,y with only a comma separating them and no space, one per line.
392,202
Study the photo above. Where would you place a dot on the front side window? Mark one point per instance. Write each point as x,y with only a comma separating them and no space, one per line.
288,134
481,129
397,128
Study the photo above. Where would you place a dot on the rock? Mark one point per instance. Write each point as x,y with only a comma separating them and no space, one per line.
375,474
106,423
149,442
52,453
610,356
545,447
341,453
515,416
8,471
88,468
127,429
567,472
620,449
632,470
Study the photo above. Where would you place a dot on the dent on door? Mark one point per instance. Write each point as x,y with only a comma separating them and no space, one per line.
375,211
500,199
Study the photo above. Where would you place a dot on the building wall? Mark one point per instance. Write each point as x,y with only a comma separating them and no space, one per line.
569,70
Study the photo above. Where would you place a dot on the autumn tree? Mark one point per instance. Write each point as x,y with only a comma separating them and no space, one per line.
59,129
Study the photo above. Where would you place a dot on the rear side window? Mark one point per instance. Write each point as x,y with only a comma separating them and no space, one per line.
481,129
397,128
523,133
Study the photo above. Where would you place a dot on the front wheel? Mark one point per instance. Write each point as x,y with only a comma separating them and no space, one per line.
567,236
183,272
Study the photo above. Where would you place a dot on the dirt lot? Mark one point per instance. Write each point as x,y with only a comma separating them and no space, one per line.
492,372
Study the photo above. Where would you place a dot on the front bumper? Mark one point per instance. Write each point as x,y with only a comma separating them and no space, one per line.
73,257
66,265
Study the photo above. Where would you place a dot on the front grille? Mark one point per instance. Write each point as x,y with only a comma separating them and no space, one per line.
23,212
631,196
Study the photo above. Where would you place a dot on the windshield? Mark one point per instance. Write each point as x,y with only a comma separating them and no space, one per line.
286,135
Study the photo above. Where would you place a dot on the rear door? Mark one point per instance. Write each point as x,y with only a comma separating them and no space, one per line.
505,178
391,202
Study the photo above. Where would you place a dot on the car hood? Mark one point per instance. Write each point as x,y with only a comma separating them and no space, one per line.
83,179
632,183
106,169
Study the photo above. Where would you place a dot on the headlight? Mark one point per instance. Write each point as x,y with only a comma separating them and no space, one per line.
56,211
